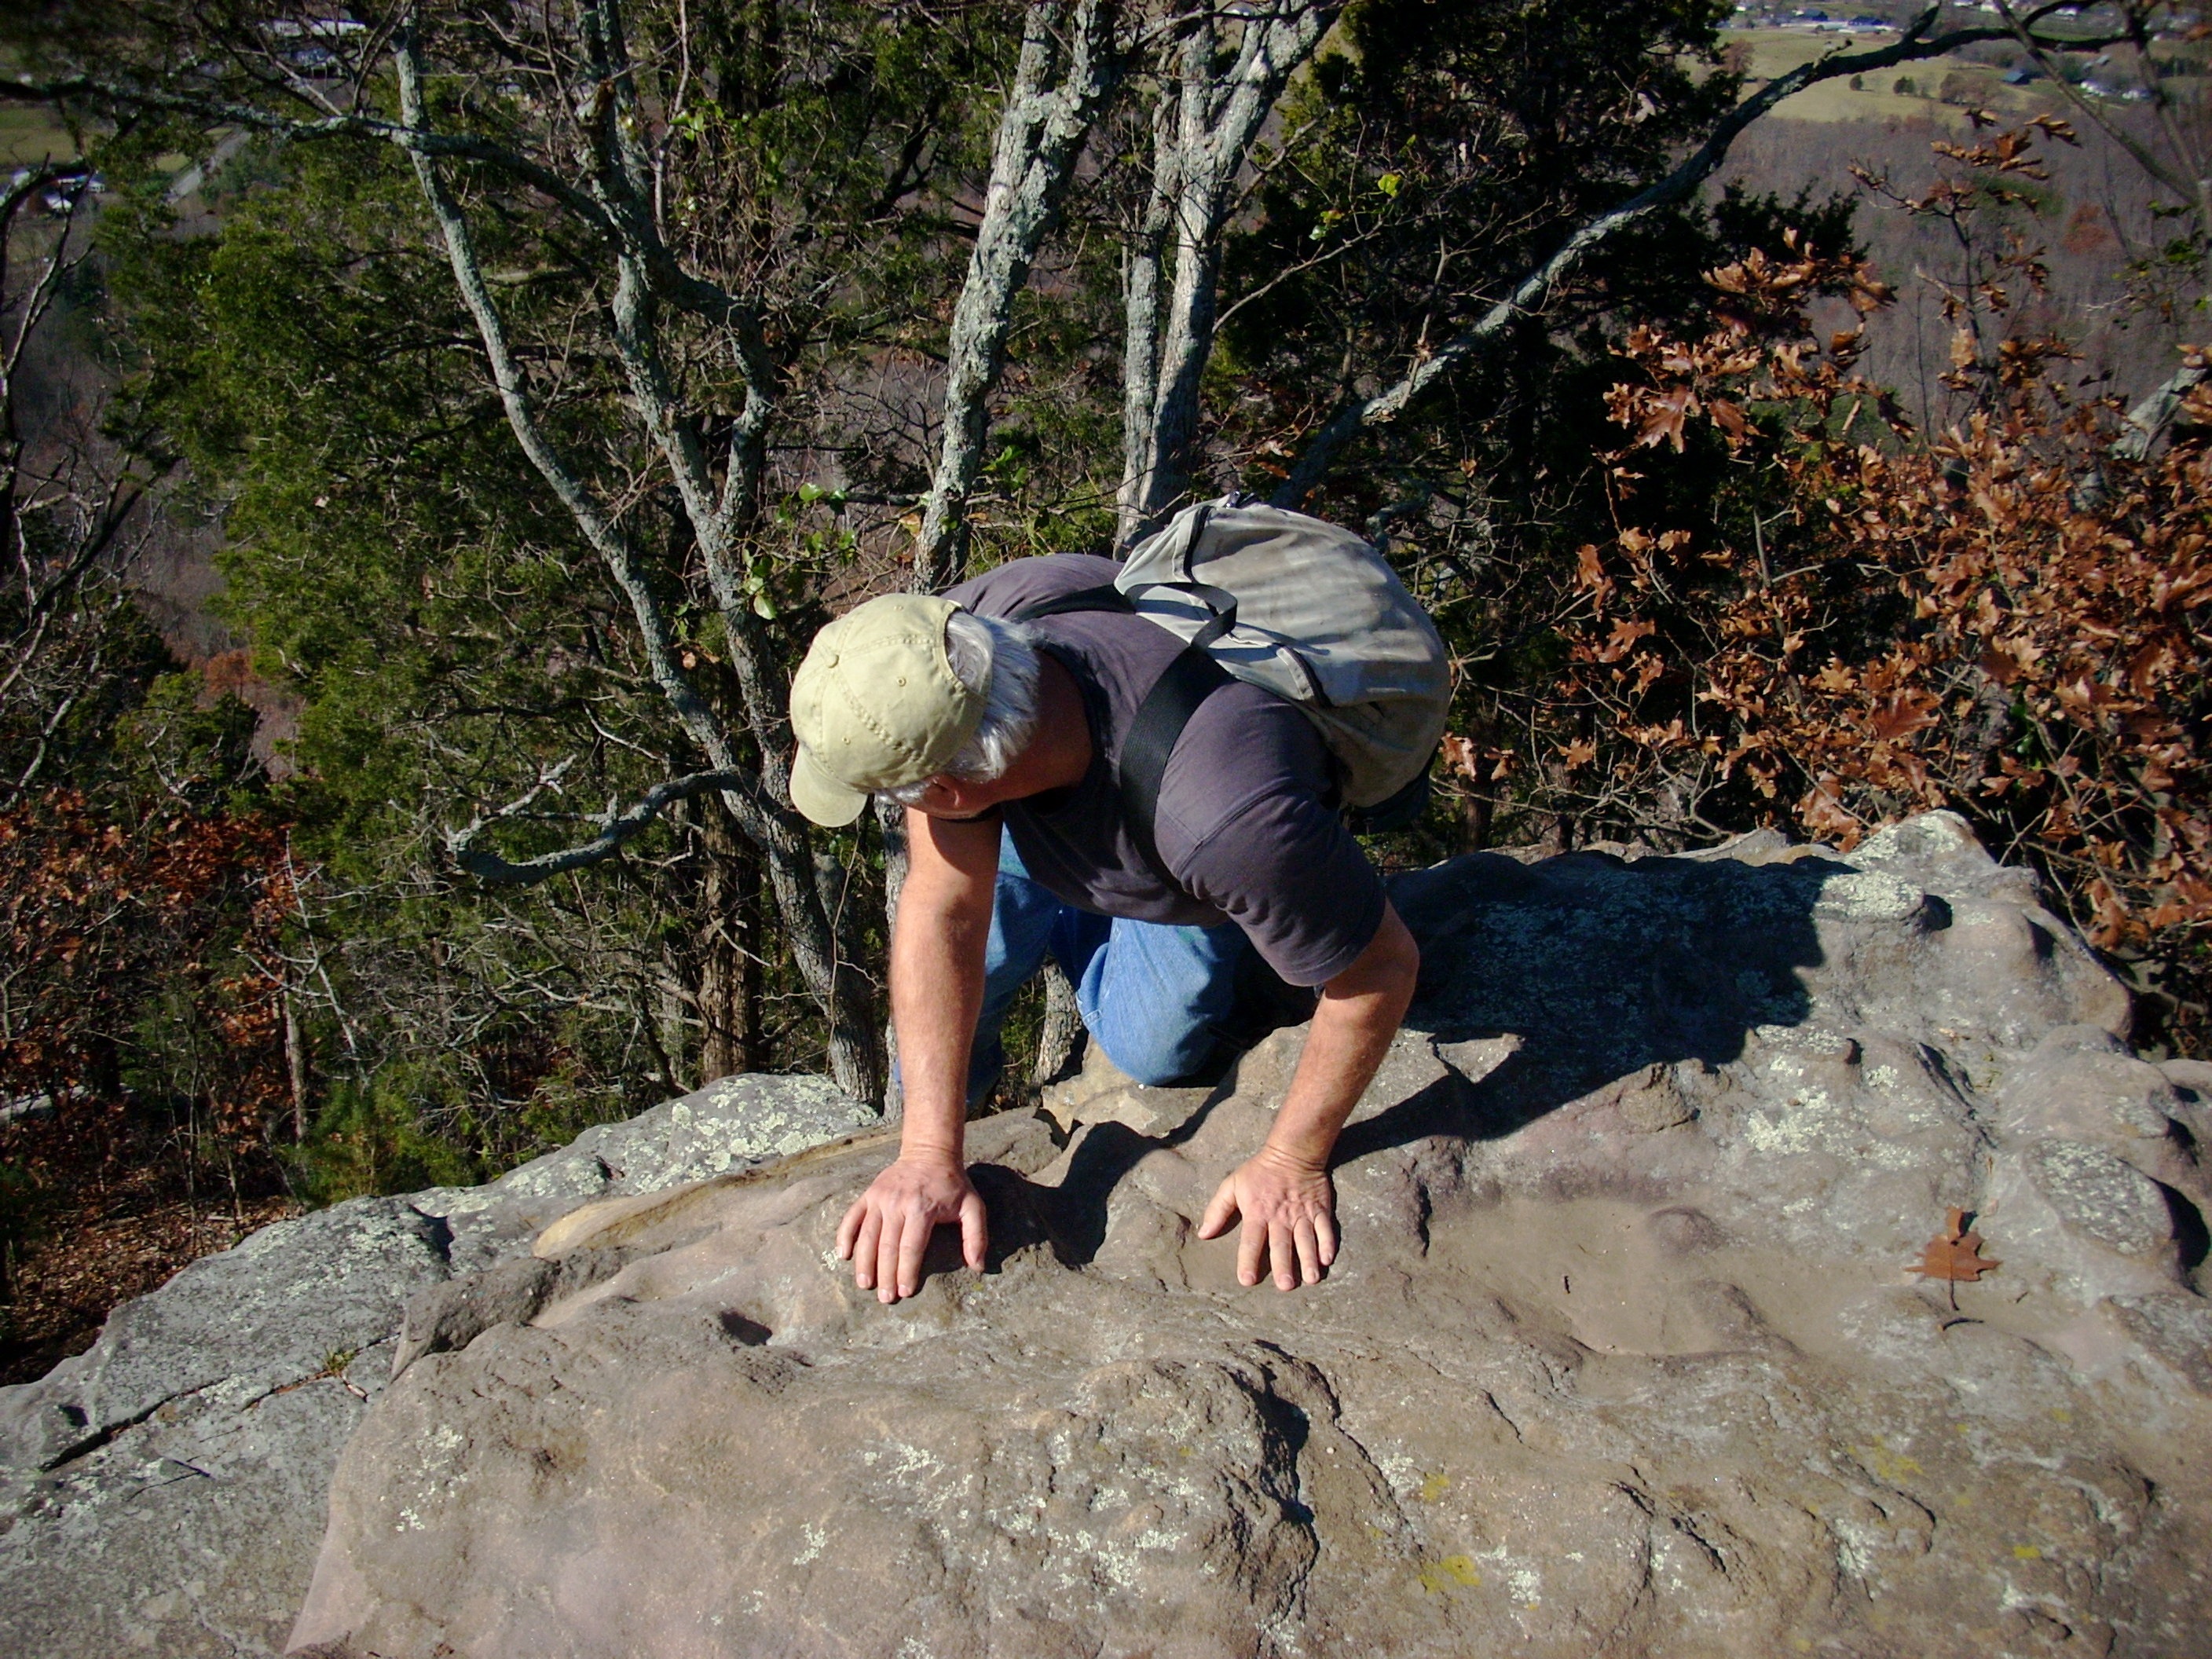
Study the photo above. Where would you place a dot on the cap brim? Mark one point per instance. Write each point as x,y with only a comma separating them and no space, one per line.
824,800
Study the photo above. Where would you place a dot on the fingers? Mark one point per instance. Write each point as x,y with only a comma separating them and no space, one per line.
912,1243
1308,1241
886,1235
895,1226
1251,1251
1284,1253
975,1230
1285,1236
864,1245
1219,1211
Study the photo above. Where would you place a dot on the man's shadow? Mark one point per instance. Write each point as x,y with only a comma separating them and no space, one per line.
1601,968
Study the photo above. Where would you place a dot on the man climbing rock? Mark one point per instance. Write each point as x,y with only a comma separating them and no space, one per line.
1001,716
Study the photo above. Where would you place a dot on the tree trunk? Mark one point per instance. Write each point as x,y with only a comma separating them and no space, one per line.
1140,346
890,819
729,973
296,1064
674,1029
1475,812
1063,1024
1558,836
1209,113
1068,66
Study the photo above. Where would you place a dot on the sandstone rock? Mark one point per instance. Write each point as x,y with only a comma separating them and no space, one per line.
2091,1225
732,1123
162,1492
1621,1355
2172,1331
1101,1092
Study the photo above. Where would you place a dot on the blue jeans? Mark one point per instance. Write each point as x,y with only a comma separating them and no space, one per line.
1158,1000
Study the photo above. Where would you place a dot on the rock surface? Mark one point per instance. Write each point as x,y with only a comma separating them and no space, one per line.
1621,1356
162,1492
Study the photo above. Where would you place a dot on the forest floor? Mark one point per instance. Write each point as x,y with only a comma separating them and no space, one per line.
108,1227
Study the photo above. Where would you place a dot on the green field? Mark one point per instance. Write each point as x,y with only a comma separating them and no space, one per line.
1776,52
31,134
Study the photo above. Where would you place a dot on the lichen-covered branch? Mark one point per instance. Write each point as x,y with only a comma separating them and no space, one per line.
1201,137
621,183
1069,63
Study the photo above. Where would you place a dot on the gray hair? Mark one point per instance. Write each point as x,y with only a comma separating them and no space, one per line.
999,660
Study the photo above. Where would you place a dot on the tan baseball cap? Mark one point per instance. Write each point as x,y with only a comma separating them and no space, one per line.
877,705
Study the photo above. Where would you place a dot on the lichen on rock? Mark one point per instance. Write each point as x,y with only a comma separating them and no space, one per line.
162,1492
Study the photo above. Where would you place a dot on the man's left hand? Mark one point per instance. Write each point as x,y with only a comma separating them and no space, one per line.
1289,1210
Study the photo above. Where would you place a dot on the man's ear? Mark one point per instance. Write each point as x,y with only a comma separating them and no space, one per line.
948,797
968,796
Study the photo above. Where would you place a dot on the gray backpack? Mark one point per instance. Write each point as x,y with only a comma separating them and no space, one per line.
1311,612
1303,609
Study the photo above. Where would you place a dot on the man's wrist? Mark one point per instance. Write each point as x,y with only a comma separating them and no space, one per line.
934,1151
1303,1159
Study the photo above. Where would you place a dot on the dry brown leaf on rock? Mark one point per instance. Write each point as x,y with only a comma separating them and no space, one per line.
1954,1254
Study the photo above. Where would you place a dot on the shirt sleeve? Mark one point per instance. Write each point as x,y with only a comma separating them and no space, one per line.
1285,869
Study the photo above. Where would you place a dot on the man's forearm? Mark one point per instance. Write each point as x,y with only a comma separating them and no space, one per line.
1282,1192
1343,1052
936,990
1358,1014
938,941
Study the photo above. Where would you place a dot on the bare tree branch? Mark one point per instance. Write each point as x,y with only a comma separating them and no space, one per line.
614,827
1530,294
1067,67
621,182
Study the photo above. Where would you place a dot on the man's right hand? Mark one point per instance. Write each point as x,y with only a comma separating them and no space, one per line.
886,1232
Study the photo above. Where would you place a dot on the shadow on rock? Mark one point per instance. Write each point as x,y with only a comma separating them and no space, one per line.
1597,968
1602,969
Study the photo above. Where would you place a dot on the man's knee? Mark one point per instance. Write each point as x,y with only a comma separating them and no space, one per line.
1155,1057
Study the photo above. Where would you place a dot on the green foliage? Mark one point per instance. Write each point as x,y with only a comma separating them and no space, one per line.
377,1138
193,751
404,576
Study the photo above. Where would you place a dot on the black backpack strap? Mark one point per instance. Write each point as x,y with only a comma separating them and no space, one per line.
1107,597
1190,679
